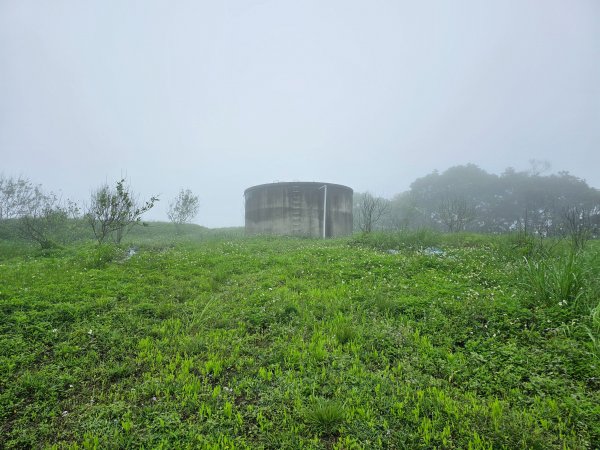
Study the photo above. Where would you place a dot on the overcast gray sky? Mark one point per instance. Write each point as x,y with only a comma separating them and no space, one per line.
217,96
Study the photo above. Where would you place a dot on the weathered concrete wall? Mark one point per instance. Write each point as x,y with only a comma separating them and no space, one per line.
296,209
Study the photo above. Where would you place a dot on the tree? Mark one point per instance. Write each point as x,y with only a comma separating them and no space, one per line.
45,219
27,212
406,213
526,200
435,191
455,213
578,226
183,208
16,194
35,215
538,167
115,211
370,211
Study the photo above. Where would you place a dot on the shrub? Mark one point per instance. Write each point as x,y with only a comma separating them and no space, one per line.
115,211
183,209
101,256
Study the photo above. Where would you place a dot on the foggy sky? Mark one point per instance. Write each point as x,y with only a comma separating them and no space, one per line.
217,96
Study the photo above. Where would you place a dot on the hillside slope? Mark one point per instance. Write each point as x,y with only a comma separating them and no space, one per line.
285,343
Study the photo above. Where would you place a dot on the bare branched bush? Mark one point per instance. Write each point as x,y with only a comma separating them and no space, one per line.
370,211
578,226
16,194
455,213
44,220
33,214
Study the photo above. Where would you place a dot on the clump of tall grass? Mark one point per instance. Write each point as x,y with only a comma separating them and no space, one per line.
570,280
324,416
566,279
344,333
524,244
593,330
555,281
385,304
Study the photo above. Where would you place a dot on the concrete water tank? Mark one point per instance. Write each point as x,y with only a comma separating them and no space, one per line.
299,209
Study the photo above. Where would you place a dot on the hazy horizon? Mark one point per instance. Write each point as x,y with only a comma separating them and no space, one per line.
220,96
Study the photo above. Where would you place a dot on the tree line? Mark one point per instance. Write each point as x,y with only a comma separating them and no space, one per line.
29,212
462,198
467,198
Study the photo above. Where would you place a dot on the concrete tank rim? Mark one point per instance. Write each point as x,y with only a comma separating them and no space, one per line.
298,183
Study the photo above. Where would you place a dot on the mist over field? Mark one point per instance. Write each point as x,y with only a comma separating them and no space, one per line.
220,96
300,224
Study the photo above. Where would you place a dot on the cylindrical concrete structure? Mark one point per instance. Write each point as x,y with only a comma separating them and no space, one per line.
299,209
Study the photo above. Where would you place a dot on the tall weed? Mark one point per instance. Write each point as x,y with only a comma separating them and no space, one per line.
523,244
324,416
593,330
563,280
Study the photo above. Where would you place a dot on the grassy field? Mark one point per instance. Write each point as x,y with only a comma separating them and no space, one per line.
213,340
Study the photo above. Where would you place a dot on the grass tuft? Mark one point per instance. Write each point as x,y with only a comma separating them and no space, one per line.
558,281
344,333
324,416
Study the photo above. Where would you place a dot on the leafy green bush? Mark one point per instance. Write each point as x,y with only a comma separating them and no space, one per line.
100,256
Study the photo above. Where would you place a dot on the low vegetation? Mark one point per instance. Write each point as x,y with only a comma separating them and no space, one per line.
207,339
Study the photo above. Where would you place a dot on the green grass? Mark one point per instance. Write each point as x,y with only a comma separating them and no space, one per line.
212,340
324,416
562,279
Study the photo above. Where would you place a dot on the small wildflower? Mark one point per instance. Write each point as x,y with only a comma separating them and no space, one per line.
90,332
